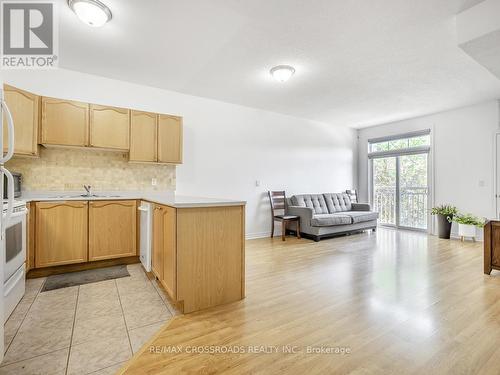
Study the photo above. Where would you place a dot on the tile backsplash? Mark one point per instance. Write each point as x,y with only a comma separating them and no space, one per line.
69,169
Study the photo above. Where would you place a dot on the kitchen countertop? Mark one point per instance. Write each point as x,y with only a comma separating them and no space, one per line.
165,198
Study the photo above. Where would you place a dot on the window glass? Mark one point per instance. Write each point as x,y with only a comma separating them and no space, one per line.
381,146
400,144
424,140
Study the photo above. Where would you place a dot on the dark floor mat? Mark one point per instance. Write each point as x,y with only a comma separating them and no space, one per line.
84,277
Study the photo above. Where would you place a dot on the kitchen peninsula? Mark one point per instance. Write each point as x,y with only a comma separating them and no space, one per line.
198,243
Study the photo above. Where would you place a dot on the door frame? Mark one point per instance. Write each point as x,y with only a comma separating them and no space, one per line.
496,195
430,189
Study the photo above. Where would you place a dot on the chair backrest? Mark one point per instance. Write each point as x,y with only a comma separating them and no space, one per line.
278,201
353,195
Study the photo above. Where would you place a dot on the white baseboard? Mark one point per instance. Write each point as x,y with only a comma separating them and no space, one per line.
256,235
253,236
455,236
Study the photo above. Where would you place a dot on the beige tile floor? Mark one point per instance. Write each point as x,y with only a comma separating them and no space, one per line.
87,329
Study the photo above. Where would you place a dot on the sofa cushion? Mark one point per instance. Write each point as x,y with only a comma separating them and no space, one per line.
362,216
337,202
328,220
314,201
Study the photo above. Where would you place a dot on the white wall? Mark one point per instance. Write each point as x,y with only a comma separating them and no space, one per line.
226,147
463,155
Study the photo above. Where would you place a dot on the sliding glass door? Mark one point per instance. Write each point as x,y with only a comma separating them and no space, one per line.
400,190
385,189
399,180
413,191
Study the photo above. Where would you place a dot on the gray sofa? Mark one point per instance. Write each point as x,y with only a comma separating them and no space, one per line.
329,214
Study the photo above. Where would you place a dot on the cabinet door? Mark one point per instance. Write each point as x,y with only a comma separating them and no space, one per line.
143,127
495,243
210,256
169,139
157,258
109,127
112,229
25,110
169,280
64,122
61,233
30,236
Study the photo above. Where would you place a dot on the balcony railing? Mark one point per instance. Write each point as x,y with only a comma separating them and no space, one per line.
413,206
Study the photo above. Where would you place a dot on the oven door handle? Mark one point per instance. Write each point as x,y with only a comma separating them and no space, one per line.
10,195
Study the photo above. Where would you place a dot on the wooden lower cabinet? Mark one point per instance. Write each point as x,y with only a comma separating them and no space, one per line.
157,250
164,251
491,246
199,254
61,233
69,232
169,251
30,236
112,229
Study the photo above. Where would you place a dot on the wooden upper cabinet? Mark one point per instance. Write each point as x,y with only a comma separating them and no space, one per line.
112,229
61,235
109,127
149,137
169,139
143,135
25,110
64,122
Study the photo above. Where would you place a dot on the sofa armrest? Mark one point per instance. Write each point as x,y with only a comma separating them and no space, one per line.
361,207
305,213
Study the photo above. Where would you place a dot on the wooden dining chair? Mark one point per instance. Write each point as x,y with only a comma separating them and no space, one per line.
278,213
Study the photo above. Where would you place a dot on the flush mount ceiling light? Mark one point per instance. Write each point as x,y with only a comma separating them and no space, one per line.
92,12
282,73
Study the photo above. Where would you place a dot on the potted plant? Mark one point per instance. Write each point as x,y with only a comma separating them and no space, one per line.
467,224
444,213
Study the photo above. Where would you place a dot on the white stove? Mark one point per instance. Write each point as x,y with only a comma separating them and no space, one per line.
15,256
18,206
12,225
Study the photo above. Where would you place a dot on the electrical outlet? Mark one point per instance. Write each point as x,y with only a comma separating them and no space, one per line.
257,183
153,182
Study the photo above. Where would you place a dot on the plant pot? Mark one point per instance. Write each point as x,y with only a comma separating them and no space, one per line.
444,226
465,230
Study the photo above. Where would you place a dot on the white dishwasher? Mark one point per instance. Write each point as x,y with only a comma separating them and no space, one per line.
146,233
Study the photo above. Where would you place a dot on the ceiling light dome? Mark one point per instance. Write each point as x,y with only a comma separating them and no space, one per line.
282,73
92,12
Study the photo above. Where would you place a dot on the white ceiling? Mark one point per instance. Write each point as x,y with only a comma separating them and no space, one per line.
358,62
486,51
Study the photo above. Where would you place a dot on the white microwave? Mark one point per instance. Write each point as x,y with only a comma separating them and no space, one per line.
17,185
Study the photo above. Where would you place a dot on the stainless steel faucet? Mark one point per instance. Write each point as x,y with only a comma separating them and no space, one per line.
88,189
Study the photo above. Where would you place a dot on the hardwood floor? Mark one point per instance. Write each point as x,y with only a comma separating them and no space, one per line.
400,302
